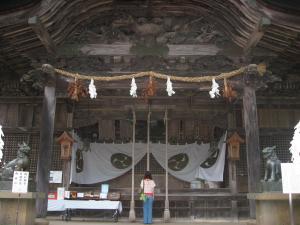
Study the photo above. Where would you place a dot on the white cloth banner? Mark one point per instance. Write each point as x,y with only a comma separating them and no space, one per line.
98,166
216,171
196,155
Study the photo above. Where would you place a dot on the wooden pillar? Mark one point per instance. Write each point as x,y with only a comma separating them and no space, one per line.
132,217
231,119
166,210
66,167
232,163
148,138
46,143
252,137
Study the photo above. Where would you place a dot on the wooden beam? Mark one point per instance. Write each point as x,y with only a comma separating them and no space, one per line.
252,142
42,33
46,144
173,50
257,35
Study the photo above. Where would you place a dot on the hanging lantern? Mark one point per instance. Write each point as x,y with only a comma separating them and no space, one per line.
228,92
234,143
66,142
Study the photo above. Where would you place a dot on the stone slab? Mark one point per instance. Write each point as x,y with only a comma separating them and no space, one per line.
271,186
18,207
273,208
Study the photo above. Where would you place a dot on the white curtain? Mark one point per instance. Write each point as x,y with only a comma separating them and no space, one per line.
196,155
97,165
216,171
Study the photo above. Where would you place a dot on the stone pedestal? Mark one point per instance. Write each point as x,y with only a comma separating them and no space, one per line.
273,208
270,186
6,185
21,205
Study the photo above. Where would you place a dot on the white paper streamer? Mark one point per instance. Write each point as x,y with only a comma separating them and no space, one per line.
170,87
92,89
133,88
295,145
1,143
214,89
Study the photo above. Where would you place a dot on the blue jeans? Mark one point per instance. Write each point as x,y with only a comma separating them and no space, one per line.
147,209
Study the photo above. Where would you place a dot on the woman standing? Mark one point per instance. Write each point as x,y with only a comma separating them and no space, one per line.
147,184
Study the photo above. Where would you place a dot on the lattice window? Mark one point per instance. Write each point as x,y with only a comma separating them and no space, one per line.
56,163
34,145
282,143
12,140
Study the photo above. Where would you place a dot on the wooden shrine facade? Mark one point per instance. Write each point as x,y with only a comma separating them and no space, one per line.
182,38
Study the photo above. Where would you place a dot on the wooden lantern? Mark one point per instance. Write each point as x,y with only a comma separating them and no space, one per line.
234,146
66,143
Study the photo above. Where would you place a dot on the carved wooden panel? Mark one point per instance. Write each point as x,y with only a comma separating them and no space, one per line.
106,129
61,116
25,115
277,118
203,131
189,129
37,116
173,128
125,129
3,113
12,115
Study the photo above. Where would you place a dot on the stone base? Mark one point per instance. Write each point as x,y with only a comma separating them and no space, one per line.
271,186
273,208
11,203
6,185
41,221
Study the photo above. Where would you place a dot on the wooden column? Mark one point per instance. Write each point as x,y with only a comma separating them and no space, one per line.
132,217
252,136
67,163
166,210
148,138
232,163
232,166
46,143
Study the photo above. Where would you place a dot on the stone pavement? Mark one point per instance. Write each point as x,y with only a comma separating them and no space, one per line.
124,221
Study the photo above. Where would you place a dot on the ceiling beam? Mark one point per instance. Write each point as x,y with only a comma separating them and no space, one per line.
43,34
256,35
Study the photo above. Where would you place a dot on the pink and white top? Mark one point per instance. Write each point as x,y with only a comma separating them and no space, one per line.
149,186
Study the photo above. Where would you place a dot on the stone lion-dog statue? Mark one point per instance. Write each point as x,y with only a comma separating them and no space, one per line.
272,164
21,163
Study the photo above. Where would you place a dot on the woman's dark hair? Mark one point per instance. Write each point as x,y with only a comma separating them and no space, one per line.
148,175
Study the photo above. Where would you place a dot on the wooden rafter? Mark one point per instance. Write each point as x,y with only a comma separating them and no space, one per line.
256,35
42,33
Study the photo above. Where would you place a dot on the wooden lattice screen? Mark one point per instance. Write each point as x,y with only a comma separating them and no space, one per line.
12,140
281,141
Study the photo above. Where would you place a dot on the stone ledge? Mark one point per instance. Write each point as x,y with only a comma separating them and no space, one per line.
41,221
28,195
271,196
